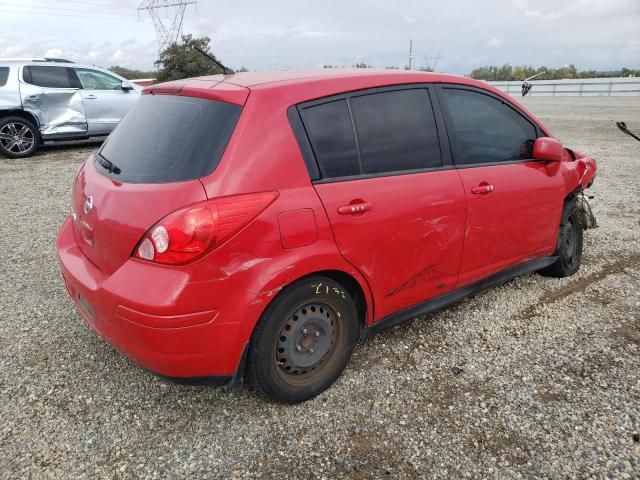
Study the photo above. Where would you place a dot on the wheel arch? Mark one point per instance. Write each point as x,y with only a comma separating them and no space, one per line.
22,114
354,289
351,281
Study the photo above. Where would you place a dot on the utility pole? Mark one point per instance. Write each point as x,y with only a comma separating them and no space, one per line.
410,53
169,32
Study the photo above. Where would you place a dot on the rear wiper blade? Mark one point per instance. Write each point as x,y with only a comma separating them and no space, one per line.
108,165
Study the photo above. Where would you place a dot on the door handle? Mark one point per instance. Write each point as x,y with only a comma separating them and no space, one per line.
91,96
355,208
482,189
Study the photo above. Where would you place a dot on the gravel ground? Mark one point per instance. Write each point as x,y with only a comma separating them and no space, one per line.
537,378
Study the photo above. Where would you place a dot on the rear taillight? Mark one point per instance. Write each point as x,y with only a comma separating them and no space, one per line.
189,233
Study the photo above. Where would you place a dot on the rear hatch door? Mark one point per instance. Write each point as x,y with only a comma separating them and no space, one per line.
148,167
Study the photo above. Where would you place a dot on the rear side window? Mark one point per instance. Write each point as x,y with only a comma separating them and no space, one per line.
373,133
396,131
485,129
4,75
168,138
332,139
50,77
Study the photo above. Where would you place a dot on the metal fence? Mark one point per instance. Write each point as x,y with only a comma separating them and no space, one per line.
593,87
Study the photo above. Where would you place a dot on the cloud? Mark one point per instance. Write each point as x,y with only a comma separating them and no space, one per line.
598,34
633,46
53,53
409,19
128,53
581,8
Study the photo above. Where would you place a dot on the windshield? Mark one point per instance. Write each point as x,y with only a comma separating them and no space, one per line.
168,138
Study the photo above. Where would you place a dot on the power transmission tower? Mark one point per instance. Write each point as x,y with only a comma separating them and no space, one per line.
167,32
431,63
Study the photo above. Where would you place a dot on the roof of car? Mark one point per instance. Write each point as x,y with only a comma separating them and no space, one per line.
303,85
299,76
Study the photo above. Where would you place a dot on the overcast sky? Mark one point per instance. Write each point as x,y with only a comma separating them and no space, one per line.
263,34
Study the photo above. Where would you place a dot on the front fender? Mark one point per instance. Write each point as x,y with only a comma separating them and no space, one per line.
579,173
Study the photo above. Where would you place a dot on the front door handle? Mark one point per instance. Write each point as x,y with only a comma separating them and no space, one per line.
482,189
355,208
91,96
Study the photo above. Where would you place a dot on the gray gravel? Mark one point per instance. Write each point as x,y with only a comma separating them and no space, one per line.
546,380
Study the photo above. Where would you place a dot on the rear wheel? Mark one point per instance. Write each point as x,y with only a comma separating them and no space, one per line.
19,137
569,248
303,341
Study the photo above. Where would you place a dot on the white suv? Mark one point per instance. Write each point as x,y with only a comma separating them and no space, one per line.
54,99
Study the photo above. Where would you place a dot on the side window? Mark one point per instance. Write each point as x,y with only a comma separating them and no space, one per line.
486,130
4,75
50,77
95,80
331,134
396,131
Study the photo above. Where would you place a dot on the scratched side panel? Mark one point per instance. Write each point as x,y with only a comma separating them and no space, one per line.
58,110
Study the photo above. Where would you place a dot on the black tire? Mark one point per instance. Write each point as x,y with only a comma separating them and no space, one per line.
303,341
19,138
569,248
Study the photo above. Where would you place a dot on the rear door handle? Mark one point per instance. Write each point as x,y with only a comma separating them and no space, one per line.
91,96
482,189
355,208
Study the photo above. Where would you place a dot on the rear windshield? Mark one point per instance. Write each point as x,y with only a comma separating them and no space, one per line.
167,138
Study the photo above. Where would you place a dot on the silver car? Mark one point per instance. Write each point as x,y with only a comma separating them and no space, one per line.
54,99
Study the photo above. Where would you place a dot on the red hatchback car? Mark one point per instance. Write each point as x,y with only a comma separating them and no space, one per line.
258,224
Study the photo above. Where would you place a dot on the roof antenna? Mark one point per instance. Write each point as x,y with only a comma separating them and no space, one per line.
226,70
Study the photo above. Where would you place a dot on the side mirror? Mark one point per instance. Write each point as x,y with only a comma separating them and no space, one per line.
126,86
549,149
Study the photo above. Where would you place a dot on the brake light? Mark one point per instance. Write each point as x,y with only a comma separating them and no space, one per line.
189,233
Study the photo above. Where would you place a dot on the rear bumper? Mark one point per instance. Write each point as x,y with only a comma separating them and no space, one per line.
166,319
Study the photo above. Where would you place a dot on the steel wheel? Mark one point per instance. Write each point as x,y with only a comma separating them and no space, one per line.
303,340
569,246
306,342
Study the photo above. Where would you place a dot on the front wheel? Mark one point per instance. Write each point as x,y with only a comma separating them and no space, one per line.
303,340
19,138
569,248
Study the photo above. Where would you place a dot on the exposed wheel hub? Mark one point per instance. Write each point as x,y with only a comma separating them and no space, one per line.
305,339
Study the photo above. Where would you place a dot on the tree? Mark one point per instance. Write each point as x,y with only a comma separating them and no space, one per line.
182,60
506,72
131,74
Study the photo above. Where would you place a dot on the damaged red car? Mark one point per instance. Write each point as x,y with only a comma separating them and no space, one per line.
257,225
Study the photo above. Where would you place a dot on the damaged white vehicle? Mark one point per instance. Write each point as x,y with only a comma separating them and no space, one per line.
50,99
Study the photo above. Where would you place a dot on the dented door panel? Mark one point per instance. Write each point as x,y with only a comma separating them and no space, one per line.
60,111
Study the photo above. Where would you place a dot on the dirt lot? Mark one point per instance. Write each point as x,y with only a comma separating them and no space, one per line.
548,382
